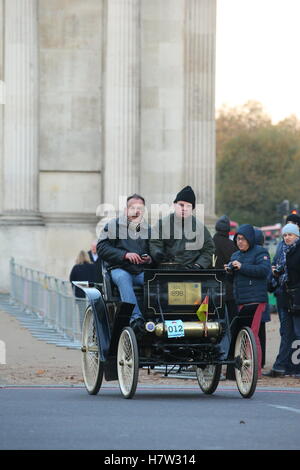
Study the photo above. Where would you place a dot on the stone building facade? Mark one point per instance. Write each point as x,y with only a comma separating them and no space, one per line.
99,98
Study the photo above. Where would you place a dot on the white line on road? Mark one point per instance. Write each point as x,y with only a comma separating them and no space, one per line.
288,408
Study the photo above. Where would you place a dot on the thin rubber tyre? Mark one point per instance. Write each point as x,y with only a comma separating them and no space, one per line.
245,353
92,367
127,362
209,378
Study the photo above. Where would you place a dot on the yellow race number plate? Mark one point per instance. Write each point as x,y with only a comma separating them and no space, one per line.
184,293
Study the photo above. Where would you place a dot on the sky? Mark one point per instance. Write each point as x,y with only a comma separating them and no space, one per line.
258,55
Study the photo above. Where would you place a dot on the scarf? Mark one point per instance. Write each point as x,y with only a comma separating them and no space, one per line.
283,278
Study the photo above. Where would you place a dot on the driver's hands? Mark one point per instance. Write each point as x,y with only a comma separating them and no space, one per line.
133,258
193,266
147,259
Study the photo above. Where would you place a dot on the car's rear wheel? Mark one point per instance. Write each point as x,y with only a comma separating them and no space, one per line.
209,377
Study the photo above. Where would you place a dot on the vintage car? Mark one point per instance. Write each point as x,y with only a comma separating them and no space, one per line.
173,335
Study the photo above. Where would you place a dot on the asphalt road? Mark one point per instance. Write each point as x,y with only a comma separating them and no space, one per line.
158,417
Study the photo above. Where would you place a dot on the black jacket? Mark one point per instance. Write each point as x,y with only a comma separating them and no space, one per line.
97,264
119,238
83,272
224,248
293,266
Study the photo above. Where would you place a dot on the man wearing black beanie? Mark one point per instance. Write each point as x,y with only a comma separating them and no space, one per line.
180,237
187,195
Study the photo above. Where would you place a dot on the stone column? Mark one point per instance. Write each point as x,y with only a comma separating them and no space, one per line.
199,143
21,168
2,97
122,82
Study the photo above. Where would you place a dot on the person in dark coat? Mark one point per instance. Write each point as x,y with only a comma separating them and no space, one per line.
287,273
124,245
281,362
83,270
224,248
250,269
95,258
291,235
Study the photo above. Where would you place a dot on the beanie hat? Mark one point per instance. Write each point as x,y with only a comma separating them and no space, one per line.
295,218
187,195
291,228
223,224
259,237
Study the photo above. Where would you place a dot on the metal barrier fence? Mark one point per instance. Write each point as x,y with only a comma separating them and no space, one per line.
50,299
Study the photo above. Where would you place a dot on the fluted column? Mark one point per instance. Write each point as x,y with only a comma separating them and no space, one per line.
199,143
20,202
122,123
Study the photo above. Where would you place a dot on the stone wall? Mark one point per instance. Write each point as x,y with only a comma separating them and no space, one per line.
71,102
162,98
2,97
104,98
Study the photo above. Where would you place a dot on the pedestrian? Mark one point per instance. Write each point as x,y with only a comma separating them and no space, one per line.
95,258
286,275
224,249
249,268
83,270
281,362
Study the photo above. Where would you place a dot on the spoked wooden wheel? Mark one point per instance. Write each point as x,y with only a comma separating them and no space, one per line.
92,367
246,369
208,378
128,362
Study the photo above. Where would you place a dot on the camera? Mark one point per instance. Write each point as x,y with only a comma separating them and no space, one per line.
230,267
279,269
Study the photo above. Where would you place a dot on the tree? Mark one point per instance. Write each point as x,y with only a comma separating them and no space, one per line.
230,122
257,171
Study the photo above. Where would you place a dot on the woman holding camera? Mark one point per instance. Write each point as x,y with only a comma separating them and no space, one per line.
286,274
250,267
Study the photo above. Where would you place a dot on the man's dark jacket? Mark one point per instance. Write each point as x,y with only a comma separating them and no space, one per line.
224,248
118,238
97,264
170,242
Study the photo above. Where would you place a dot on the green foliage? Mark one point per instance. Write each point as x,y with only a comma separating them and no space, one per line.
257,165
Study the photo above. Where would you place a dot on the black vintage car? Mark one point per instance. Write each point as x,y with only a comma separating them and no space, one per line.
173,333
